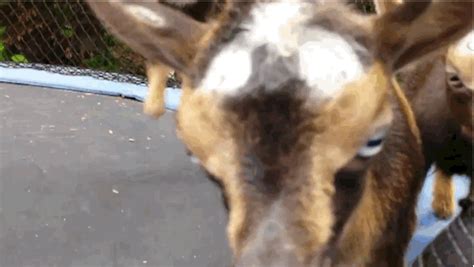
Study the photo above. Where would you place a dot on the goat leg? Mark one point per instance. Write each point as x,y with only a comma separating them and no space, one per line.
155,101
443,195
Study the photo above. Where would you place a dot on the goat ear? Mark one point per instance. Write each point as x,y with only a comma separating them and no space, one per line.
384,6
417,28
155,31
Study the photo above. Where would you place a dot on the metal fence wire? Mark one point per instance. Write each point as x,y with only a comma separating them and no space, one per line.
66,37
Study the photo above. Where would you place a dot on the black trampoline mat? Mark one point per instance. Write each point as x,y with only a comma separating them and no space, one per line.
89,180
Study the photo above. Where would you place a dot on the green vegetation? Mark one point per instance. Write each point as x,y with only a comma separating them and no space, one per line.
4,54
62,33
101,62
68,31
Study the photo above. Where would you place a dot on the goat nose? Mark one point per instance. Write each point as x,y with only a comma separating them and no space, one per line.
271,251
275,260
272,230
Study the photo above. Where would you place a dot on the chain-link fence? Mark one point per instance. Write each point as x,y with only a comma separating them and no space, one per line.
67,34
62,33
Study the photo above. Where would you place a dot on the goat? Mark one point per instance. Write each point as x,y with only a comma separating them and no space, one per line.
157,73
440,90
292,107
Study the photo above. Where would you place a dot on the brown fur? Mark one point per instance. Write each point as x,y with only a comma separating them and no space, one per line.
382,6
437,26
157,72
210,132
157,75
298,193
443,195
460,68
443,106
387,199
441,119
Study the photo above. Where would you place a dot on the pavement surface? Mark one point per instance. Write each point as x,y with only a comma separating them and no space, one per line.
88,180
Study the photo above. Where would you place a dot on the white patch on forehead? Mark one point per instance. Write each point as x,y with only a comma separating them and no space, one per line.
145,15
323,59
231,68
466,45
271,24
328,63
229,71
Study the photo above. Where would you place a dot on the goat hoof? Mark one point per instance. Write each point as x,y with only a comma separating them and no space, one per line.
443,208
153,109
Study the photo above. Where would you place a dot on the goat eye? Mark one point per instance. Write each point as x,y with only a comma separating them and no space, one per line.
372,147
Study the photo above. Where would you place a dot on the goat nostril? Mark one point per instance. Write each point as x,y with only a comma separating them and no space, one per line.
455,83
454,78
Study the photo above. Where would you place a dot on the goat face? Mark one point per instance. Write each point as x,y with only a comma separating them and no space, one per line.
285,103
460,82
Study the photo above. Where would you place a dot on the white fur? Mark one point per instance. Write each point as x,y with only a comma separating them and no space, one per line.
328,63
145,15
271,24
229,71
324,60
466,45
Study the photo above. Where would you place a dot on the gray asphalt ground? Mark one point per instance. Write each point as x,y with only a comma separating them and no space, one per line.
89,181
